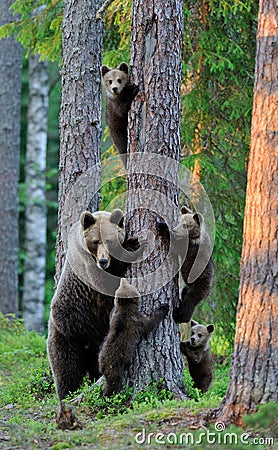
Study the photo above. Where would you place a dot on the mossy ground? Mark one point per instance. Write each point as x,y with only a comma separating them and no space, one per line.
152,420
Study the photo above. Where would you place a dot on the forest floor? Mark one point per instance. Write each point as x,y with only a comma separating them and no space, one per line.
152,420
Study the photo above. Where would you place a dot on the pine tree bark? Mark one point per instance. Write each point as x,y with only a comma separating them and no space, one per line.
254,370
10,100
80,118
36,211
153,171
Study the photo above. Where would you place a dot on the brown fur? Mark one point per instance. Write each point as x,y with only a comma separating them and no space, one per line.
127,327
198,354
84,298
190,240
119,95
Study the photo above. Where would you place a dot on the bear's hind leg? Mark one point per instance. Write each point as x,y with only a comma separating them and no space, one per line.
187,306
67,364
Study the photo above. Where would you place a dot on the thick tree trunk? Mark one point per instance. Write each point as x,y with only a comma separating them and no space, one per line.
153,178
10,97
80,119
35,213
254,371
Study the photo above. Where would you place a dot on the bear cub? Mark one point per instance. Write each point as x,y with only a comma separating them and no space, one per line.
198,354
119,95
127,327
190,240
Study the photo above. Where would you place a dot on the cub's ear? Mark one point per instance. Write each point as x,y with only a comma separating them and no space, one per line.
104,70
193,323
185,210
87,219
198,217
123,67
210,329
117,217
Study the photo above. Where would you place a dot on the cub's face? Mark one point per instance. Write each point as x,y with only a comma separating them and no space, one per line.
103,233
200,334
189,226
114,80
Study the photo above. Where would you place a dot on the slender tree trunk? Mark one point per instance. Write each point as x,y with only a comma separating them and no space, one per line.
10,98
254,371
153,177
36,211
80,119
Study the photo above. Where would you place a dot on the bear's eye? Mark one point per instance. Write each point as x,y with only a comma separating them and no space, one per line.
110,81
95,242
119,81
184,225
199,335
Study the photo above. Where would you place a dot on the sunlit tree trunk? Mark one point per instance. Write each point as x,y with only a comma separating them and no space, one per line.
10,98
153,177
80,118
254,371
35,212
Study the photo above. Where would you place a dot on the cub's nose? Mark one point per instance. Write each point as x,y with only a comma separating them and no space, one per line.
115,90
103,262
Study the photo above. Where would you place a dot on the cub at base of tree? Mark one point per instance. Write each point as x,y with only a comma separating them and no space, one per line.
198,354
190,240
127,327
119,95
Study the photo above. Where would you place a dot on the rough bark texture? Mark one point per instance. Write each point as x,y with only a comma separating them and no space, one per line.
10,96
80,119
35,213
254,371
153,177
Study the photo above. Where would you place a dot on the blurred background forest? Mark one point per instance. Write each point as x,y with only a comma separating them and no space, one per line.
217,94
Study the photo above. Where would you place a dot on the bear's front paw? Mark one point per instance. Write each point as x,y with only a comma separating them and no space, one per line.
162,229
163,310
135,89
183,347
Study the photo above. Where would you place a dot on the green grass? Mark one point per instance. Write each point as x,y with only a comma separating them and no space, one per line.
28,404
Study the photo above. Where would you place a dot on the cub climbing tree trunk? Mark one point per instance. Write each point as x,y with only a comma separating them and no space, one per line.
80,118
254,370
153,172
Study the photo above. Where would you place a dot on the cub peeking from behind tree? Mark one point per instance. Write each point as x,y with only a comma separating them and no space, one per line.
127,326
190,240
119,95
198,354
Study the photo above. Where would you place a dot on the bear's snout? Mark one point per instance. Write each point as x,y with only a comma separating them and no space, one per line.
103,262
115,90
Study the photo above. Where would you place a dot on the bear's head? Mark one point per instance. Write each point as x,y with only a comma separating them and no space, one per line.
127,296
200,334
115,80
189,225
102,233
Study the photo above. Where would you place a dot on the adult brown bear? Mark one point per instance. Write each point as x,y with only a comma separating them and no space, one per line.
97,257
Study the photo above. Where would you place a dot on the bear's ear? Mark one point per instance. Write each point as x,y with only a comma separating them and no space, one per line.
104,70
210,329
198,218
87,219
117,217
193,323
123,67
185,210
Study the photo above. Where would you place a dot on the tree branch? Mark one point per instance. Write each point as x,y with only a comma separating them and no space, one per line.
100,13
